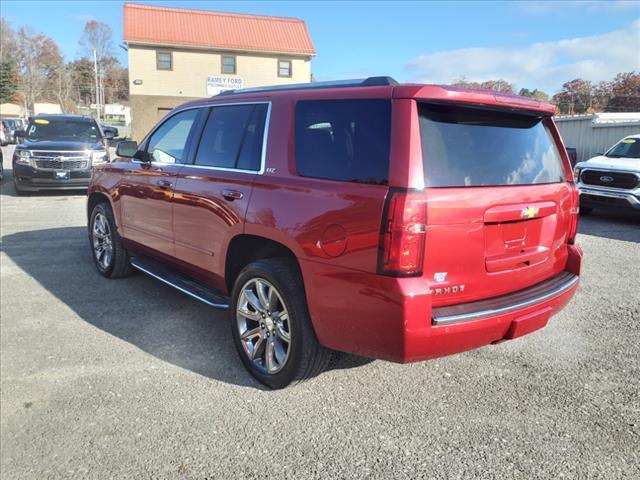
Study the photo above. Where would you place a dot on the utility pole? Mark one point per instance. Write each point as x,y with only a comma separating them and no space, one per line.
95,68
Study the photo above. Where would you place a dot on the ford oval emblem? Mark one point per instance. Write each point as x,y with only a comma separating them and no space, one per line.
606,179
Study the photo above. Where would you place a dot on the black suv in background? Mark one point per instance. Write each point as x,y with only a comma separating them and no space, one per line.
58,152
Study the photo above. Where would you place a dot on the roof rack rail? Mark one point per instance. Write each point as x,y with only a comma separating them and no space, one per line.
361,82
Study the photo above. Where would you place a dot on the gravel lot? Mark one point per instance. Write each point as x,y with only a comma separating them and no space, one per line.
131,379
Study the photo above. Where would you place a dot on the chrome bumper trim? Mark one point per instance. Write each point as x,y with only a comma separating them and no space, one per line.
505,303
629,197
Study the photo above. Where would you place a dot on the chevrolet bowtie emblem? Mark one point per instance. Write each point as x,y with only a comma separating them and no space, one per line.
529,212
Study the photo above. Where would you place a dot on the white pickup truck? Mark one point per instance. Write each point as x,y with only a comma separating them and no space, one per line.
612,179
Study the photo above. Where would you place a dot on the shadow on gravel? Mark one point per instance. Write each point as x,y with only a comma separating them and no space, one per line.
610,223
139,310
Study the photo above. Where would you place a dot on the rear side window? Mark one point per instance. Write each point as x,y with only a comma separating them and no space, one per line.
346,140
233,137
467,147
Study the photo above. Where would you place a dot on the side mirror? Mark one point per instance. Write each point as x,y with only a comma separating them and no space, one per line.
600,153
108,134
126,149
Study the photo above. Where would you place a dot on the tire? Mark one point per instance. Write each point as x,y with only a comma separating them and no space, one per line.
19,192
109,256
303,356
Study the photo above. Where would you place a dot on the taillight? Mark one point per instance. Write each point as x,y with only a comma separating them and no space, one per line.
573,214
403,233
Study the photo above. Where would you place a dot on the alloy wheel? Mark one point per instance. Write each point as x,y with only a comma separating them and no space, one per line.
102,241
263,324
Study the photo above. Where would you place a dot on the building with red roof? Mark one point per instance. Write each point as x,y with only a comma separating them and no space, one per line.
177,54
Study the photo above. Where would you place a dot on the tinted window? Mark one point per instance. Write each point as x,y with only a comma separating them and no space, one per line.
233,137
629,148
472,147
345,140
167,144
63,129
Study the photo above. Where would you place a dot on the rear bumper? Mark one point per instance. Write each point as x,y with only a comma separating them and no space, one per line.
392,319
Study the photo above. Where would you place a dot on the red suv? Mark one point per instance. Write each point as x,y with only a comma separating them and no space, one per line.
402,222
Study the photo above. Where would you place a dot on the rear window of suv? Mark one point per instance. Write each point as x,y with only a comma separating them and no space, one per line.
475,147
345,140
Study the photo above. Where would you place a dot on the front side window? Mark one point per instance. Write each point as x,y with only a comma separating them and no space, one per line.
233,137
164,61
168,142
346,140
284,68
41,129
470,147
228,65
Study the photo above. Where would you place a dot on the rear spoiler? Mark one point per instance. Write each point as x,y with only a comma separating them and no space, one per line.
488,98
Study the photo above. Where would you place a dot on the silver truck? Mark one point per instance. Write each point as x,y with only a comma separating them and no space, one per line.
611,179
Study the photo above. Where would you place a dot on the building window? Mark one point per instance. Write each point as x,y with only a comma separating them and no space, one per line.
164,61
228,65
284,68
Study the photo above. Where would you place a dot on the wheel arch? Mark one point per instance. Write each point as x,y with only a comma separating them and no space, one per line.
245,248
97,197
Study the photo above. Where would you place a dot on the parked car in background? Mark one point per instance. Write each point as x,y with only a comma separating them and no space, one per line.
11,125
58,152
3,136
611,179
573,155
108,129
1,165
402,222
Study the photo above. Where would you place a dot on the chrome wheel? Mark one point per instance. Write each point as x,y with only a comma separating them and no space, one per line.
263,324
102,241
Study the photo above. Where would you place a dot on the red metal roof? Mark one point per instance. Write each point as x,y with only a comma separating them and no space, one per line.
200,28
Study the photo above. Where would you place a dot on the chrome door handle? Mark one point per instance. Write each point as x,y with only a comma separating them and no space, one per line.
165,184
232,195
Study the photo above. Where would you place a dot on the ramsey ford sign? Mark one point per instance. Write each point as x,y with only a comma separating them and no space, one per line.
215,85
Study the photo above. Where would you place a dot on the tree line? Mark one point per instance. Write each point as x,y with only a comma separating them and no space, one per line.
32,69
621,94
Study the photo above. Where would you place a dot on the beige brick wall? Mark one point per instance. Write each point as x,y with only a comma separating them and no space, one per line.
191,68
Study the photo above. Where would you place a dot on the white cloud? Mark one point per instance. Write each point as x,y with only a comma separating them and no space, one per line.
545,66
589,6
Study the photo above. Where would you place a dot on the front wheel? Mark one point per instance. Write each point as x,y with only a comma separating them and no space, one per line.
271,325
110,257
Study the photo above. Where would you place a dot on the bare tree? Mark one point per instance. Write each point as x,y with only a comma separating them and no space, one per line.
7,40
98,44
39,63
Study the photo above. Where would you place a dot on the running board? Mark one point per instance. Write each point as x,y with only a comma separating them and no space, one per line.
180,281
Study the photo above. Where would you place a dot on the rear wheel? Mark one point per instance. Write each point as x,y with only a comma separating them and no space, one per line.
271,324
110,257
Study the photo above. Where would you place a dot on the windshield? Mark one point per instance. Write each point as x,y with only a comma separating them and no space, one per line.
470,147
63,129
629,148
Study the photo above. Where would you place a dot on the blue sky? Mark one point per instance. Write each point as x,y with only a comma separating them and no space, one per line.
532,44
